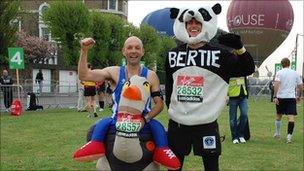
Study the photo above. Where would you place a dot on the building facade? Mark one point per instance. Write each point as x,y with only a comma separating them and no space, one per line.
54,70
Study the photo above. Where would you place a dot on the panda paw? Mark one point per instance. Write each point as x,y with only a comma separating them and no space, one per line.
231,40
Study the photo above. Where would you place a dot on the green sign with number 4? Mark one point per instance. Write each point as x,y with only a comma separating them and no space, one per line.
16,58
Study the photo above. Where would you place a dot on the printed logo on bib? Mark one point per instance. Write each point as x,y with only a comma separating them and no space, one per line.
128,123
209,142
190,88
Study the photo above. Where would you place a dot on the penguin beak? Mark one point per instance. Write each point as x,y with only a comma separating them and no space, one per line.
132,93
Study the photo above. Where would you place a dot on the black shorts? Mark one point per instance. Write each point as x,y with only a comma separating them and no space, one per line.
205,139
101,88
287,106
89,91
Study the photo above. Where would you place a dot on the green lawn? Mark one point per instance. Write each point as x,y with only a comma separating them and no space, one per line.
46,140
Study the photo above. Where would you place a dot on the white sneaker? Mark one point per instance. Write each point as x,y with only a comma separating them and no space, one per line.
101,109
277,136
235,141
242,140
289,136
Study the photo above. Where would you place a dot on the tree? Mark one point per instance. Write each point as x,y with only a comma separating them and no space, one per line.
68,21
101,33
8,13
130,30
109,33
167,43
118,33
35,49
152,45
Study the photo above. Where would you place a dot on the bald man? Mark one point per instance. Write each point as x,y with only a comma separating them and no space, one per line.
133,52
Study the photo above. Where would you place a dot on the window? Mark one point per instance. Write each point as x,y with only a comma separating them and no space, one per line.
125,7
45,34
44,8
16,23
43,30
112,4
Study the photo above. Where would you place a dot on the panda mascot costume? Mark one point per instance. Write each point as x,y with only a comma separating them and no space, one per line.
197,82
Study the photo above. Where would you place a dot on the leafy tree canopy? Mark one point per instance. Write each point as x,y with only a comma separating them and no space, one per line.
101,32
35,48
152,45
9,11
68,21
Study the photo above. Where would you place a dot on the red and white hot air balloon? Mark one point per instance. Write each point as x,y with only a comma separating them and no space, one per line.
263,25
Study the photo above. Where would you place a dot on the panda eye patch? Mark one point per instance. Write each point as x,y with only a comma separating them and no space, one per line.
181,17
205,14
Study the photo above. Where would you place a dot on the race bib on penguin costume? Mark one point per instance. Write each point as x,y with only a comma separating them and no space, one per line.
124,141
197,79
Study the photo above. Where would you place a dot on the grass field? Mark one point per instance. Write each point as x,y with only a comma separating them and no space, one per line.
46,140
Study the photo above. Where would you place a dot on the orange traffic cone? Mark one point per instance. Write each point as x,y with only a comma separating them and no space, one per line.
16,108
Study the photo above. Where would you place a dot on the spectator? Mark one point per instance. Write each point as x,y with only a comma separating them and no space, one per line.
270,86
81,102
6,82
238,95
109,92
101,89
89,93
303,87
39,80
287,92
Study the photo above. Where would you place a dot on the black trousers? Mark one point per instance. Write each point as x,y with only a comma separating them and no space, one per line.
8,98
211,163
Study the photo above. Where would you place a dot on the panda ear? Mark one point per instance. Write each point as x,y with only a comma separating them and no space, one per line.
174,13
217,8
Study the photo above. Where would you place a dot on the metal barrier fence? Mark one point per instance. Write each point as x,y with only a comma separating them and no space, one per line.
50,86
56,99
53,99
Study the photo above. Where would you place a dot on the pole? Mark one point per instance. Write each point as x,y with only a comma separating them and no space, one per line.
17,75
296,51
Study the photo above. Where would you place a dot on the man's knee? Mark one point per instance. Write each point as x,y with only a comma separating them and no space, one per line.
278,117
291,118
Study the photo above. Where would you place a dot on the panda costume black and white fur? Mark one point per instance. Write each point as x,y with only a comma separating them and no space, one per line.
197,80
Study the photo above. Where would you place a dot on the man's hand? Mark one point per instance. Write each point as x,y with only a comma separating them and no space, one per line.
143,123
276,101
87,43
298,99
227,101
231,40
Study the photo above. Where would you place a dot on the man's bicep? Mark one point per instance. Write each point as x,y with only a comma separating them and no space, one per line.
154,82
276,85
300,87
100,74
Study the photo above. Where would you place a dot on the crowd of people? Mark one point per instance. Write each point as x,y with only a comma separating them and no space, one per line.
87,92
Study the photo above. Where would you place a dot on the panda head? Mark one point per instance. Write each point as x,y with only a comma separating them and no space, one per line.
207,16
